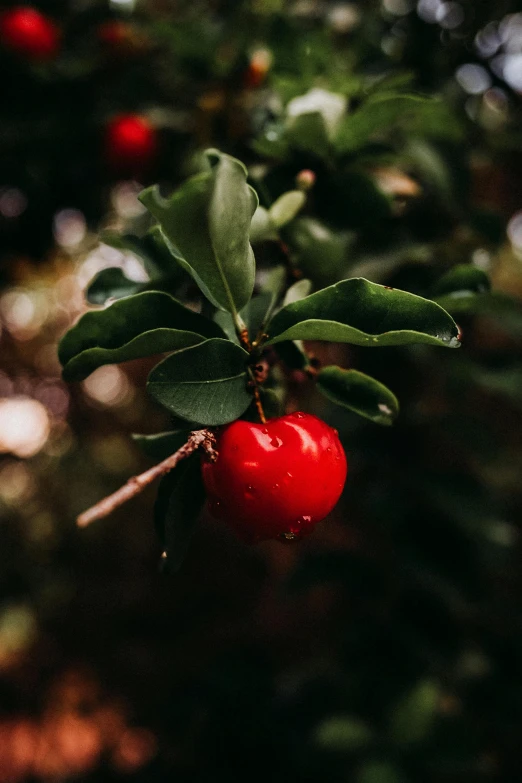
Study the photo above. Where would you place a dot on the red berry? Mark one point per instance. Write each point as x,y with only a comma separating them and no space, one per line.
276,479
28,32
131,143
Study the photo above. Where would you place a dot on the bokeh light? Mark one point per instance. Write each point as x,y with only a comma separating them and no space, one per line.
24,426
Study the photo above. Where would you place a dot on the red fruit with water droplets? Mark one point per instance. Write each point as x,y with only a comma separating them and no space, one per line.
275,480
29,33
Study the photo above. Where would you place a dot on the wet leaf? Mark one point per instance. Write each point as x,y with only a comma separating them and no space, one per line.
364,313
359,393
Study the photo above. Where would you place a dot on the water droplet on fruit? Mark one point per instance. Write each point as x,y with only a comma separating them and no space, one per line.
295,528
288,536
299,415
336,432
275,486
329,449
289,474
264,431
276,442
250,492
235,447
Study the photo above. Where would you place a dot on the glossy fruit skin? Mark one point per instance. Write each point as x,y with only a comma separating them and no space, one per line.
30,33
275,480
131,143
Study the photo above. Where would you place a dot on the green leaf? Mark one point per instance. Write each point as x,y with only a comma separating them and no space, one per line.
320,253
140,325
255,314
261,228
382,114
379,772
178,504
226,322
160,446
159,256
316,104
273,143
463,279
359,393
364,313
206,383
342,733
111,283
273,281
412,720
506,310
208,219
308,133
297,291
286,207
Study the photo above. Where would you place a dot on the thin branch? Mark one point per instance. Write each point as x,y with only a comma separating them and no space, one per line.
259,405
203,439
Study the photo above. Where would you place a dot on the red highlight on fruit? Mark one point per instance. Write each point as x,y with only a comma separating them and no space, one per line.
131,144
29,33
275,480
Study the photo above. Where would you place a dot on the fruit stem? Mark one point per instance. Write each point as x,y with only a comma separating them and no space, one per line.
242,333
203,439
259,405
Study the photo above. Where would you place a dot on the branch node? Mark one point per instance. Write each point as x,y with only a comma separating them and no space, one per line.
203,439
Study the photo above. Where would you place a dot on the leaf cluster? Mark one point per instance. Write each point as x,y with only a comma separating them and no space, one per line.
209,374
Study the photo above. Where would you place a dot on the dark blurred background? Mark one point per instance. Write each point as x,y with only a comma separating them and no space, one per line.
385,648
